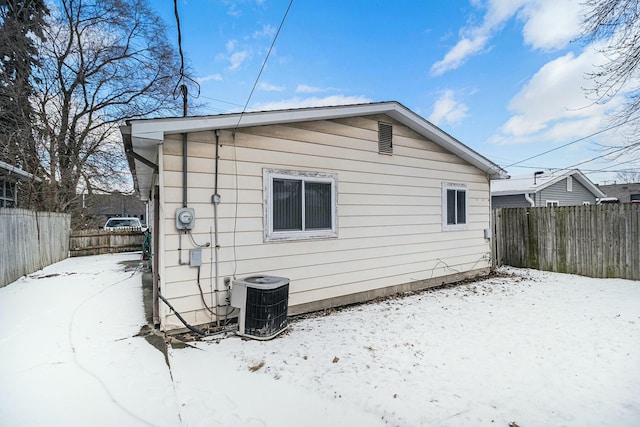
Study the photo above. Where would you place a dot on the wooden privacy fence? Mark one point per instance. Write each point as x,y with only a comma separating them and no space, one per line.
31,241
97,242
593,240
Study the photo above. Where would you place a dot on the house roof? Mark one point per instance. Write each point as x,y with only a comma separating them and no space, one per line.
7,170
141,137
528,184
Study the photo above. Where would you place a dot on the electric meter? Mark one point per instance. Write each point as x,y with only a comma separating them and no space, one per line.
185,218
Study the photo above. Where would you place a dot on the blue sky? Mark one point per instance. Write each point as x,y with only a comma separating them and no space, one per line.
505,77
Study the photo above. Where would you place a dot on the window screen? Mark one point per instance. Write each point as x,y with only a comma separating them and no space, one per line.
456,207
287,204
317,205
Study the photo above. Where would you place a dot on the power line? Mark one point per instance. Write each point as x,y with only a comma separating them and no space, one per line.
586,161
221,101
569,143
603,170
235,156
264,63
182,84
605,155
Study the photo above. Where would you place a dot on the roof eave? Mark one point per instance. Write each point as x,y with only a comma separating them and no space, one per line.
20,174
144,135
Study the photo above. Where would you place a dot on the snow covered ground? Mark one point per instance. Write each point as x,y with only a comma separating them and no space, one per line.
526,348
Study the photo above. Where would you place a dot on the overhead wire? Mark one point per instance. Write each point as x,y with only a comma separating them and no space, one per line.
244,109
605,169
264,63
604,155
183,79
569,143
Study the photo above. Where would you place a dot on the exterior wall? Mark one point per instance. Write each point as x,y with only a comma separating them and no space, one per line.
622,191
389,214
510,201
558,191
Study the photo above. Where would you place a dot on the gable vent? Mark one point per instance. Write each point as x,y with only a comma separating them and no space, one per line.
385,138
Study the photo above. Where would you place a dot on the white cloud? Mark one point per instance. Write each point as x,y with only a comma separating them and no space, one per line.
214,77
270,88
308,89
267,31
552,105
231,45
234,56
548,24
298,102
232,9
458,54
551,24
237,59
448,109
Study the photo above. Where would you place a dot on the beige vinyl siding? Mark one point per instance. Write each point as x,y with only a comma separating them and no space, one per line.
389,212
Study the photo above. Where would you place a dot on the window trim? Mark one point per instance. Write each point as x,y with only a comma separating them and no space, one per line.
569,184
552,203
458,187
268,175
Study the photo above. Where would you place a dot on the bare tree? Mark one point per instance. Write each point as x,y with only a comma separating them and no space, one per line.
102,61
615,24
628,177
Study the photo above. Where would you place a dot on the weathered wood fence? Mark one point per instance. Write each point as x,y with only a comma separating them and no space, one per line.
31,241
594,240
97,242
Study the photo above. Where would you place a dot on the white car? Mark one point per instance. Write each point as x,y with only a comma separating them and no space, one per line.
124,223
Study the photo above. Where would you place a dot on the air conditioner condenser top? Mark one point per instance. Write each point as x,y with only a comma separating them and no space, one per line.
263,303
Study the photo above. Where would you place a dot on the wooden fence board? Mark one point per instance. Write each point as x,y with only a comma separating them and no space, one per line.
594,241
98,242
31,241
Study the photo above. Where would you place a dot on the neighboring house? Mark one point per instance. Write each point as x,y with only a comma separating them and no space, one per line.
11,178
349,203
98,208
625,193
545,188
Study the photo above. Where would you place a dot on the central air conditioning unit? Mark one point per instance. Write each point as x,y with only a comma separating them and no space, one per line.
263,302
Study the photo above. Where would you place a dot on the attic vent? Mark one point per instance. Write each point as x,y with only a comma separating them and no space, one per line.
385,138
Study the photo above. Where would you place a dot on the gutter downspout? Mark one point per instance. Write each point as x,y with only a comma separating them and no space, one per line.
530,200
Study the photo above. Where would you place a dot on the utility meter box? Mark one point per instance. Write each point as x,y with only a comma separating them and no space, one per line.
185,218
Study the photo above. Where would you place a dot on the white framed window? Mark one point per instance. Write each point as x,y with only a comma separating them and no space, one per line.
299,205
552,203
569,184
454,206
